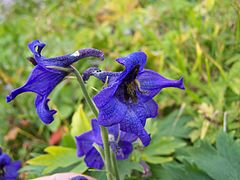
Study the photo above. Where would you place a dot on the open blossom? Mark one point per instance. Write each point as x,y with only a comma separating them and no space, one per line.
120,143
127,97
43,80
8,168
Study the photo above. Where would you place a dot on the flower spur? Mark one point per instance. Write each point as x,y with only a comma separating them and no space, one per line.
127,97
43,79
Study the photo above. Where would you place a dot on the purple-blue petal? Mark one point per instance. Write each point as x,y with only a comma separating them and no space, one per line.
101,75
114,130
125,149
41,81
93,159
79,178
112,112
84,143
133,123
65,61
133,59
43,111
11,170
129,137
151,108
151,84
96,132
36,47
4,159
103,97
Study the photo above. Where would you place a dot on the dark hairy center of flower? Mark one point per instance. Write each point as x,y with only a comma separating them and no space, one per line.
131,85
1,172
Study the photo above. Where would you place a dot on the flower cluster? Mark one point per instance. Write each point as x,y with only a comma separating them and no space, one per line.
120,143
8,168
43,80
124,103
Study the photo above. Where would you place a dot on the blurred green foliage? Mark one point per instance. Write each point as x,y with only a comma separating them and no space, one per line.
196,39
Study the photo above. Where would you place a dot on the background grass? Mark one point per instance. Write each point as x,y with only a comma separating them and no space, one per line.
199,40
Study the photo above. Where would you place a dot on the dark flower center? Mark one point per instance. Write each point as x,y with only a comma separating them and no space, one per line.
130,85
1,172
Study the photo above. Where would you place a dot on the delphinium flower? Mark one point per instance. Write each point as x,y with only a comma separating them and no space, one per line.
120,143
43,79
127,96
8,168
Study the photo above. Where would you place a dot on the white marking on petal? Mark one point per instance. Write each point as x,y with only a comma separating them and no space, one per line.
111,138
75,54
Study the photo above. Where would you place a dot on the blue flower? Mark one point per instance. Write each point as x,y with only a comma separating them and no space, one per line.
120,142
8,169
127,97
79,178
43,80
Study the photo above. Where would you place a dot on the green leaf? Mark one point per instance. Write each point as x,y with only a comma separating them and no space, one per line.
32,171
56,157
68,141
166,138
162,146
222,162
125,168
99,175
172,125
156,159
175,171
80,122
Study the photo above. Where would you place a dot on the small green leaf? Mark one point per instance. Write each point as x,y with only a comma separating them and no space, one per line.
56,157
80,122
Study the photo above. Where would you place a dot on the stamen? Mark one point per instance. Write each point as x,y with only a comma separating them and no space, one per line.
1,172
132,85
106,82
139,87
119,136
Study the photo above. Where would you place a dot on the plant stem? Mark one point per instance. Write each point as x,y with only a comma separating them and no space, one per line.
104,131
114,162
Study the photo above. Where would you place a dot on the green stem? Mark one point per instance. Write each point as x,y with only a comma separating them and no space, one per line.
104,131
114,162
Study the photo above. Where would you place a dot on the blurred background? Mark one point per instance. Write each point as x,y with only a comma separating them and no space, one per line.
195,39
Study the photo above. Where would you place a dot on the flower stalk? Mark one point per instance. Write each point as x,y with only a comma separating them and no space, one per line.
104,131
115,166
